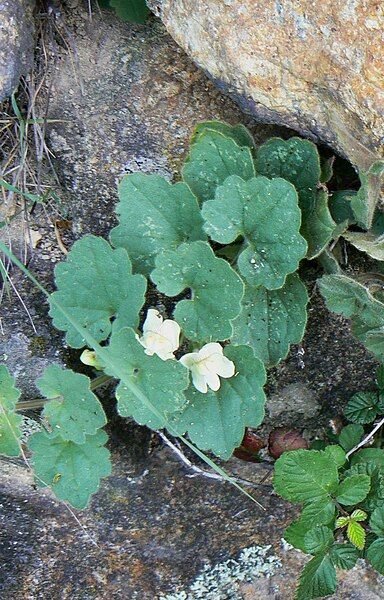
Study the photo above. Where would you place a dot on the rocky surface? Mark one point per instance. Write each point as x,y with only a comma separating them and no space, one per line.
16,42
127,98
317,68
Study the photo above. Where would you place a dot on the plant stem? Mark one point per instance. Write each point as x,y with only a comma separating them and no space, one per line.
367,438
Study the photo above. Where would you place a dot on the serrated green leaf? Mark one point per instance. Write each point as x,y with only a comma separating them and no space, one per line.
305,475
376,522
298,161
340,207
216,421
73,471
350,436
73,411
154,216
265,212
318,539
270,321
238,133
318,578
134,11
9,421
294,534
341,522
337,454
344,556
362,407
217,290
376,495
94,284
356,534
367,455
359,515
321,512
375,555
212,158
163,382
353,489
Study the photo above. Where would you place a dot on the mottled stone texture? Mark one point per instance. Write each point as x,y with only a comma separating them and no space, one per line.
16,42
315,67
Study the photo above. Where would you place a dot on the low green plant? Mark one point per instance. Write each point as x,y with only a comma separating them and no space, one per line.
134,11
219,251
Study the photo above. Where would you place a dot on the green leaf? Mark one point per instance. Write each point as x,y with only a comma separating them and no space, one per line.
134,11
359,515
380,377
356,534
161,381
318,539
216,289
212,158
365,201
353,489
216,421
265,212
298,161
154,216
362,407
367,455
340,207
74,411
94,284
342,522
376,522
344,556
318,578
350,436
366,242
270,321
295,533
305,475
238,133
376,495
329,262
321,512
9,421
327,169
336,453
73,471
375,555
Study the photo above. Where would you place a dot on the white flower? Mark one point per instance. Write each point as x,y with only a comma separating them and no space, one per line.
89,357
159,337
206,365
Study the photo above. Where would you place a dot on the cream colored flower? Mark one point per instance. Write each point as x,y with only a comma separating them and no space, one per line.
159,337
89,357
207,365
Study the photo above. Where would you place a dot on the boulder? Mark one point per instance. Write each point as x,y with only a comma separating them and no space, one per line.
16,42
314,67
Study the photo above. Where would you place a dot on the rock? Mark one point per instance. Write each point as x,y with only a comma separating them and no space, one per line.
16,42
317,68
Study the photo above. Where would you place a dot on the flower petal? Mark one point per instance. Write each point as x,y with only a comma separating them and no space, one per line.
199,382
224,367
190,359
153,321
171,330
212,380
209,349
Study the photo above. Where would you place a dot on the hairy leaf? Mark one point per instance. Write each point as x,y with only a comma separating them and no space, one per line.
265,212
216,420
353,489
154,216
356,534
366,242
9,421
305,475
238,133
340,207
298,161
344,556
73,411
73,471
94,284
375,555
350,436
365,201
318,539
362,407
162,382
216,289
270,321
212,158
318,578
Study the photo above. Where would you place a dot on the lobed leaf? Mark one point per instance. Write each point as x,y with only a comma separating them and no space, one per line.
297,161
271,320
9,421
73,411
94,284
305,475
73,471
318,578
216,421
212,158
362,407
154,216
216,290
162,382
265,212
